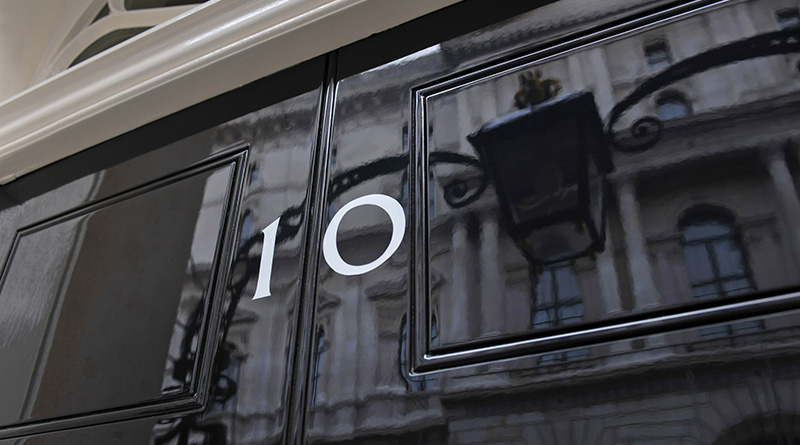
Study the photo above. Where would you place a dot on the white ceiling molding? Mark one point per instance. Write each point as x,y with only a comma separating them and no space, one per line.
191,58
116,20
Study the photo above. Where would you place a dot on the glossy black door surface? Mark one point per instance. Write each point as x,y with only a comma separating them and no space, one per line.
601,238
129,292
564,222
106,305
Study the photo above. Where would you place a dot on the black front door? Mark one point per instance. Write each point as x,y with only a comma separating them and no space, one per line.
571,222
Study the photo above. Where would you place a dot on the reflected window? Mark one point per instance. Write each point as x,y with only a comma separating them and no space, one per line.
657,55
319,354
788,18
714,257
253,177
558,302
557,299
247,228
672,106
716,265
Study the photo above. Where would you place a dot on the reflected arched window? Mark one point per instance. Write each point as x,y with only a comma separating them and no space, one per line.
714,257
716,264
672,106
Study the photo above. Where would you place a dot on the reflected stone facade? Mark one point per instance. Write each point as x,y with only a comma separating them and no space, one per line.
707,216
725,161
727,158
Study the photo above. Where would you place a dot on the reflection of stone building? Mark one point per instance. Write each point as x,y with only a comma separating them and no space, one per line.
715,164
707,213
257,333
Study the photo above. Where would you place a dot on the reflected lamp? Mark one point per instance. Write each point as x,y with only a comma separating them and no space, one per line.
548,163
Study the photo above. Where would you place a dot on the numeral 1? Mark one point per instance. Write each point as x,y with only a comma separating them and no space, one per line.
267,255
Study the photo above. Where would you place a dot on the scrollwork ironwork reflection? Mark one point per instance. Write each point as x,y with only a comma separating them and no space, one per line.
644,133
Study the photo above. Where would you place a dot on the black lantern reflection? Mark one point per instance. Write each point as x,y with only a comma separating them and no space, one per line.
548,163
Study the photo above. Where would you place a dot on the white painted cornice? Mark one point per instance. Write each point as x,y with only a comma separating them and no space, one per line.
205,52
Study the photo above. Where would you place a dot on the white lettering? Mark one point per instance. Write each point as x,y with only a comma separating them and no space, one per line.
330,250
267,255
329,246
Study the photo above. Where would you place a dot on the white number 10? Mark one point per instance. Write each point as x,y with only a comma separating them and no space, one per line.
330,249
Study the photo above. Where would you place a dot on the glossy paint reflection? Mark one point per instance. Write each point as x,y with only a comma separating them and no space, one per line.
236,382
703,214
74,334
254,364
510,285
462,335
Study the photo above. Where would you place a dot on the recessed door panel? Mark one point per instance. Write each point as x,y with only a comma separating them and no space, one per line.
96,302
129,287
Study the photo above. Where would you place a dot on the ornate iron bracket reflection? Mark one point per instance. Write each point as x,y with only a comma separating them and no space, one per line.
292,219
646,132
